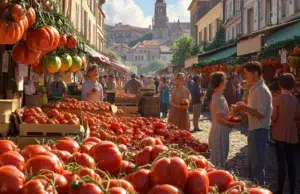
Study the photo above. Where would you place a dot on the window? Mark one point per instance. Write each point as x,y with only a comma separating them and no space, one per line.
136,58
237,4
250,19
139,58
84,24
77,14
237,30
200,37
205,34
90,31
233,34
233,7
230,9
142,58
210,31
269,11
95,32
283,7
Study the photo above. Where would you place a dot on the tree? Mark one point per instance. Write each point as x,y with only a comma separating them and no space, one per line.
152,66
218,41
147,36
184,47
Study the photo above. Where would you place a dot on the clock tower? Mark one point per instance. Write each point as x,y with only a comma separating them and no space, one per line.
160,21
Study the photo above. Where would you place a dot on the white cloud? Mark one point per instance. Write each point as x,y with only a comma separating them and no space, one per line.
179,10
127,12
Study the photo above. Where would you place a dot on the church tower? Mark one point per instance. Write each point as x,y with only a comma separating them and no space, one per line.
160,21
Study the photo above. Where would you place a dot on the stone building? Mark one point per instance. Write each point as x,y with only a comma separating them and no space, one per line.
163,30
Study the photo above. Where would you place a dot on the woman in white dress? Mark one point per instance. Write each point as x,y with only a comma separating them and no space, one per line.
219,133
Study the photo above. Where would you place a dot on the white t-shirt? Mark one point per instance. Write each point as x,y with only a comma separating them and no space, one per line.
88,95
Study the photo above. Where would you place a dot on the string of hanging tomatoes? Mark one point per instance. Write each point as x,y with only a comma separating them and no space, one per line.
42,36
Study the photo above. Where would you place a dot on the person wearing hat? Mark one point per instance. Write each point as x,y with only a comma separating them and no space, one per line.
196,93
91,89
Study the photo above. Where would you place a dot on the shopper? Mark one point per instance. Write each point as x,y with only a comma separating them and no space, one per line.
259,110
92,90
220,129
156,83
133,85
58,88
284,131
230,92
165,96
111,83
196,93
179,114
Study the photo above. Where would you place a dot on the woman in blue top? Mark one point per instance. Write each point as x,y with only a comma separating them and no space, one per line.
165,96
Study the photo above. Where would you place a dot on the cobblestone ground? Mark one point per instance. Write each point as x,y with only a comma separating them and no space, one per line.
238,156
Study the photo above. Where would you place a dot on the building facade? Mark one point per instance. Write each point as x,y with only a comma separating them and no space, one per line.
232,19
124,34
163,30
88,18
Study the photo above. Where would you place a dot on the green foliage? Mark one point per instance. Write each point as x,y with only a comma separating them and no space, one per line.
152,66
218,41
183,47
272,50
147,36
133,69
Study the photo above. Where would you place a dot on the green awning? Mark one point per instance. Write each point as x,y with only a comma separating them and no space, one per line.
220,55
283,34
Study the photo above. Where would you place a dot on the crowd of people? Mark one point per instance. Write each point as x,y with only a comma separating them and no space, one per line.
245,95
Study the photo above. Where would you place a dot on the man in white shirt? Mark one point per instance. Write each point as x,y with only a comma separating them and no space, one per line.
259,110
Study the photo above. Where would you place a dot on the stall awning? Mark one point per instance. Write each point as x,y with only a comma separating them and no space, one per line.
189,62
283,34
120,67
97,55
223,54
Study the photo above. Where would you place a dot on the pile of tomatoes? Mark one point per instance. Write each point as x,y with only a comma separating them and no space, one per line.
102,167
71,103
131,130
36,116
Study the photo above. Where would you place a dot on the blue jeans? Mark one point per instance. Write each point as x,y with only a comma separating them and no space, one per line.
257,148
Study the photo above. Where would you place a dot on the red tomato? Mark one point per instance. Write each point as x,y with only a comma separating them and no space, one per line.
88,172
144,156
119,183
61,183
83,160
69,145
53,113
220,178
7,145
240,186
197,181
199,161
70,177
63,155
140,180
38,186
165,189
259,191
12,158
92,139
11,180
156,150
126,167
150,141
68,116
169,171
107,156
86,147
32,150
117,190
43,162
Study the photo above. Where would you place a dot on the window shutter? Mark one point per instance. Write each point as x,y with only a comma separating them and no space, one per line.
291,6
245,27
274,12
262,13
256,14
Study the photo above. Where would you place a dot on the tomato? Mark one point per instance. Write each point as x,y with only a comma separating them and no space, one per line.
117,190
68,116
11,180
52,63
107,156
240,186
7,145
126,167
156,150
259,191
199,161
144,156
53,113
92,139
71,42
220,178
86,147
88,172
62,40
70,177
150,141
69,145
22,54
31,16
43,162
61,183
63,155
38,186
32,150
165,189
169,171
83,160
12,158
140,180
119,183
197,181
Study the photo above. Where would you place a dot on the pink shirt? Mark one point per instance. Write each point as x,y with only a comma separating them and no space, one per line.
285,115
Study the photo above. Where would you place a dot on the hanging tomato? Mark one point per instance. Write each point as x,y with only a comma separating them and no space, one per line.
62,40
296,51
66,63
71,42
52,64
31,16
76,64
17,12
23,55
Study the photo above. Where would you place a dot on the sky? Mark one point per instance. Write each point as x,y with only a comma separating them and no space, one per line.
140,12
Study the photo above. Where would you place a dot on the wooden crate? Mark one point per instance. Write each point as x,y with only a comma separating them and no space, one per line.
4,129
34,100
9,106
23,141
50,130
4,118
